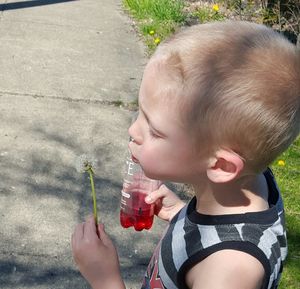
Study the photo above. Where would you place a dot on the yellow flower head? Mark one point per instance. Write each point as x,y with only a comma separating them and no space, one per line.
281,163
157,40
216,7
151,32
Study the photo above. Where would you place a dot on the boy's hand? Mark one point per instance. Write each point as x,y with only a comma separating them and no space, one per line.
167,204
96,257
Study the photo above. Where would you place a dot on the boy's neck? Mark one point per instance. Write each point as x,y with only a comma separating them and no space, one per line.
247,194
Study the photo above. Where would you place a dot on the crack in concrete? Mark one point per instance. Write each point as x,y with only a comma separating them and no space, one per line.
26,254
115,103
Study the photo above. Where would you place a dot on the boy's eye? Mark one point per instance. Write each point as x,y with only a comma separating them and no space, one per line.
153,134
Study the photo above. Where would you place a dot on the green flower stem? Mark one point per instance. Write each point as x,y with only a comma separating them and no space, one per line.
90,171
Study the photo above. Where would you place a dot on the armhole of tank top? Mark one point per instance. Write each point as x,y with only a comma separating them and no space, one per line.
243,246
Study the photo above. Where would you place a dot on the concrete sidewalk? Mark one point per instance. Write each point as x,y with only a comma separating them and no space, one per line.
63,65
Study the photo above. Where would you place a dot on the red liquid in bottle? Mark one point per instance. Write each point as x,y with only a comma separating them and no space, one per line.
136,212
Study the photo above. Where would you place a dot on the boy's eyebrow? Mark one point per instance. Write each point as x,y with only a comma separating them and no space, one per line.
149,122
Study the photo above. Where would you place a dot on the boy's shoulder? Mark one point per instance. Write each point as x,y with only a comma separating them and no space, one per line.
226,269
203,245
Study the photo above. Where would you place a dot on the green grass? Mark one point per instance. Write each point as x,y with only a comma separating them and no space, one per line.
157,19
288,178
160,10
207,13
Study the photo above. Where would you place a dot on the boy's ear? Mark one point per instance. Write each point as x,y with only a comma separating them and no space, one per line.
225,166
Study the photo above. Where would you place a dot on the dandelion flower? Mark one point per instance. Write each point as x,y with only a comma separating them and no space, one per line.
86,163
151,32
216,7
157,40
281,163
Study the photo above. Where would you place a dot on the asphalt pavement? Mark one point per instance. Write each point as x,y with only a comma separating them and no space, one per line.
68,69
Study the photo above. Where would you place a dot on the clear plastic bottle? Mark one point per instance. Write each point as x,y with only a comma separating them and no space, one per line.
136,186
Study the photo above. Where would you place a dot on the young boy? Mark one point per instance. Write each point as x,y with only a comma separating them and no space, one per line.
218,103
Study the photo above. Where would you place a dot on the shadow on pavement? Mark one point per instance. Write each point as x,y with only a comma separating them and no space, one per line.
15,275
44,197
30,4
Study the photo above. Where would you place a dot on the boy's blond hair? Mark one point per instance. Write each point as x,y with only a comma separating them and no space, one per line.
238,85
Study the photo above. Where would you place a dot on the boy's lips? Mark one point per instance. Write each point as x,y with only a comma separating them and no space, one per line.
134,159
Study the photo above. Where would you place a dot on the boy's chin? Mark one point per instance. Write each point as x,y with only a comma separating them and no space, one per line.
152,175
160,177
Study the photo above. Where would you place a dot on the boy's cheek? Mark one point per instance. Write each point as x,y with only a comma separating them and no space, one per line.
150,164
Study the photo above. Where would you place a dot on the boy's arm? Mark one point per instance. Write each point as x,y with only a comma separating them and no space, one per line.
226,269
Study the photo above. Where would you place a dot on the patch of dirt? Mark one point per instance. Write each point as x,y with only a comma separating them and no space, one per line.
254,12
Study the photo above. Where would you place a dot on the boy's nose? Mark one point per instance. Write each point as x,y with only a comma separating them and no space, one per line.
134,133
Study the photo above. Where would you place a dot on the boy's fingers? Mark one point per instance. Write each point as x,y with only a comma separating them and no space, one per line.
90,228
155,195
77,236
78,232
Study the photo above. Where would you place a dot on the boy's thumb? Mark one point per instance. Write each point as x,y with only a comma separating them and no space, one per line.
103,236
155,195
149,199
